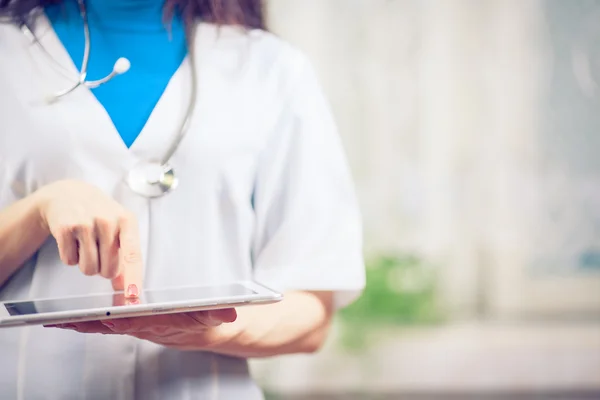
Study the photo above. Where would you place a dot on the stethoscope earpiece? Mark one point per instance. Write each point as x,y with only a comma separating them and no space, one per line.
122,65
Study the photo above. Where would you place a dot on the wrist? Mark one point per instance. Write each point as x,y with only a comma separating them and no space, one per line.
39,201
227,338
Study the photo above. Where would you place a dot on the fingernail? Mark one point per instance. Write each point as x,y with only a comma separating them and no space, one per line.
108,324
132,290
67,326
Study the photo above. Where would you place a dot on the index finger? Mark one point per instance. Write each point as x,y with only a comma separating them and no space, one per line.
130,256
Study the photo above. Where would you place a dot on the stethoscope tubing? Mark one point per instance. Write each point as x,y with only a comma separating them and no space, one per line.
164,179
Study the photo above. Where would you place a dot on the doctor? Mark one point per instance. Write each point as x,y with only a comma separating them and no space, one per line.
157,144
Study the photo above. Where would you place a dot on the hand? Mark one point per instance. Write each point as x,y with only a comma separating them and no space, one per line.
199,330
94,231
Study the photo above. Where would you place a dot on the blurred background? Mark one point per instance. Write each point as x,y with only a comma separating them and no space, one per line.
473,131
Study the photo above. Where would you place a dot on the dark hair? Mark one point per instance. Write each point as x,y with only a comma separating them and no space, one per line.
245,13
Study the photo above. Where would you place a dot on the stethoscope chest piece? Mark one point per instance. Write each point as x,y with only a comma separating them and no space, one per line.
152,179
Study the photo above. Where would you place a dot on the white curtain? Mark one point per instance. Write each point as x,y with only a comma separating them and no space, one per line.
455,116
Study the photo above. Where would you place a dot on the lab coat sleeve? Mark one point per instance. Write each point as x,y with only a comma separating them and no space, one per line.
308,225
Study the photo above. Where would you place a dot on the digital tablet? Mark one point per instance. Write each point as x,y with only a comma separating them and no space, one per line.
150,302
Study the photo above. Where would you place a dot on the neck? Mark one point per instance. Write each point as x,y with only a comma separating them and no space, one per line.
127,14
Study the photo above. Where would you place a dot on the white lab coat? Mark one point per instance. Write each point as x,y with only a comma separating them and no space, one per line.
265,193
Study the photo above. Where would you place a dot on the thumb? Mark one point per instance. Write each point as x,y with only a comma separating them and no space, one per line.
118,283
226,315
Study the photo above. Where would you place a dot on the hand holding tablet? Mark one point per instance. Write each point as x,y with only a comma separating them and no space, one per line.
183,331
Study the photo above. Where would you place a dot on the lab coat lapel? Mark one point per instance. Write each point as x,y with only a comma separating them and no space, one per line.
92,128
163,124
92,132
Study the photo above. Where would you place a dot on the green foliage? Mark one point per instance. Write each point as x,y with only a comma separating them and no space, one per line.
400,291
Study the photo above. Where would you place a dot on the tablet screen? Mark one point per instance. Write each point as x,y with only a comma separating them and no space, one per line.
147,297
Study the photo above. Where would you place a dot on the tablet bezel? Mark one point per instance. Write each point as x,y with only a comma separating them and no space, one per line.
263,295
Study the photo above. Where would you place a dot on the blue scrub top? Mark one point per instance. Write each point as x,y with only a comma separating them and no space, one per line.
137,30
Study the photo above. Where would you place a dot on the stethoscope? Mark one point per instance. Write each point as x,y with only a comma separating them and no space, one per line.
151,178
